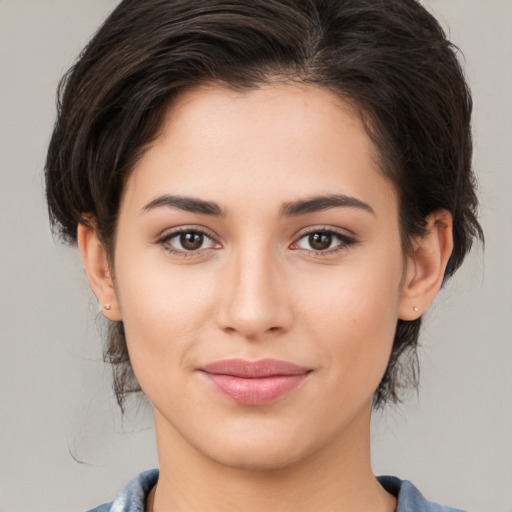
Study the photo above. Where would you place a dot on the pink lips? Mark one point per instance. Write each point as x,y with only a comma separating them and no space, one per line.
255,382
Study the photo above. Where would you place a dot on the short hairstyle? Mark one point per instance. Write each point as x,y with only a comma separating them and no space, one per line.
389,59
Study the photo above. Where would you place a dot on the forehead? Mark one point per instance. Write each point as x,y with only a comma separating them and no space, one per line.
275,140
278,111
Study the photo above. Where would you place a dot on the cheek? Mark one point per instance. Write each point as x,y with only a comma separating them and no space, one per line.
164,309
353,316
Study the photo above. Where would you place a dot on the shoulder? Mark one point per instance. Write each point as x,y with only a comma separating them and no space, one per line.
132,497
410,498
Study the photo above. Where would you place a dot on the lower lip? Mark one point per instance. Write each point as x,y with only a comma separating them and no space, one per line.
256,391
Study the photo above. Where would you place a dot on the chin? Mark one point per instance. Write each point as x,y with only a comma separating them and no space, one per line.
261,450
256,460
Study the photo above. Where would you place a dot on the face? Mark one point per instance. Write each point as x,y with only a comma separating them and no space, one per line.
258,270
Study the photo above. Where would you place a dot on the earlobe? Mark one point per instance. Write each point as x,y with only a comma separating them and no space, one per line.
97,268
426,266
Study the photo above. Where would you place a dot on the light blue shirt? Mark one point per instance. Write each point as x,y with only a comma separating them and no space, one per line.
132,497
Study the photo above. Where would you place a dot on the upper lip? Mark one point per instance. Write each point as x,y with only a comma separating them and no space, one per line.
254,369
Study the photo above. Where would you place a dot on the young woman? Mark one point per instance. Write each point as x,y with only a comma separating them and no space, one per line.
267,195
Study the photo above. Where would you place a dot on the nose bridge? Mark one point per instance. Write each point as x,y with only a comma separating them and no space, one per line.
255,300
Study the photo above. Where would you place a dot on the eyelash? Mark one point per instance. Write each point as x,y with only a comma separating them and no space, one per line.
344,241
165,241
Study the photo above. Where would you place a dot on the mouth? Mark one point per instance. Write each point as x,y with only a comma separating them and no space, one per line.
254,383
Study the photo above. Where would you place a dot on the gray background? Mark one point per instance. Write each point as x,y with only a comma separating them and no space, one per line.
61,446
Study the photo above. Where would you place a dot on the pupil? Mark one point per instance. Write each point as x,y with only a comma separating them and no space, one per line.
191,241
320,241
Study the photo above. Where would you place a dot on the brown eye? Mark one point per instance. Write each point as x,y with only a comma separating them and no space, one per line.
191,241
187,241
320,241
324,241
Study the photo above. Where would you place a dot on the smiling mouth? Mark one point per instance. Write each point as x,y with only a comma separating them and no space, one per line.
255,382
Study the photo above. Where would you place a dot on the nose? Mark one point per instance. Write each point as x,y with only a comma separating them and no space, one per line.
255,300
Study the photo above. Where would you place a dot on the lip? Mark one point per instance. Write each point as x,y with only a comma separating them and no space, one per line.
255,382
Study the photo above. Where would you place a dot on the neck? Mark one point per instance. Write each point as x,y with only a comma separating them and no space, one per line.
336,477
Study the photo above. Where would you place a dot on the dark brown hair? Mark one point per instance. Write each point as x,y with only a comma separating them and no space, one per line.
388,58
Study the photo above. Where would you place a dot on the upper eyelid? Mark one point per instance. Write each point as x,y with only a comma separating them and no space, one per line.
171,232
325,229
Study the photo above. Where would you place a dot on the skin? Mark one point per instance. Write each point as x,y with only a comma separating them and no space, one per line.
256,289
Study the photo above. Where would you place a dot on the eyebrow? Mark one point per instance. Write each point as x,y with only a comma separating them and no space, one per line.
291,209
188,204
318,203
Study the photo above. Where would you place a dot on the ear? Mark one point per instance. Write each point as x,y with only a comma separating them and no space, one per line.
95,261
426,265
